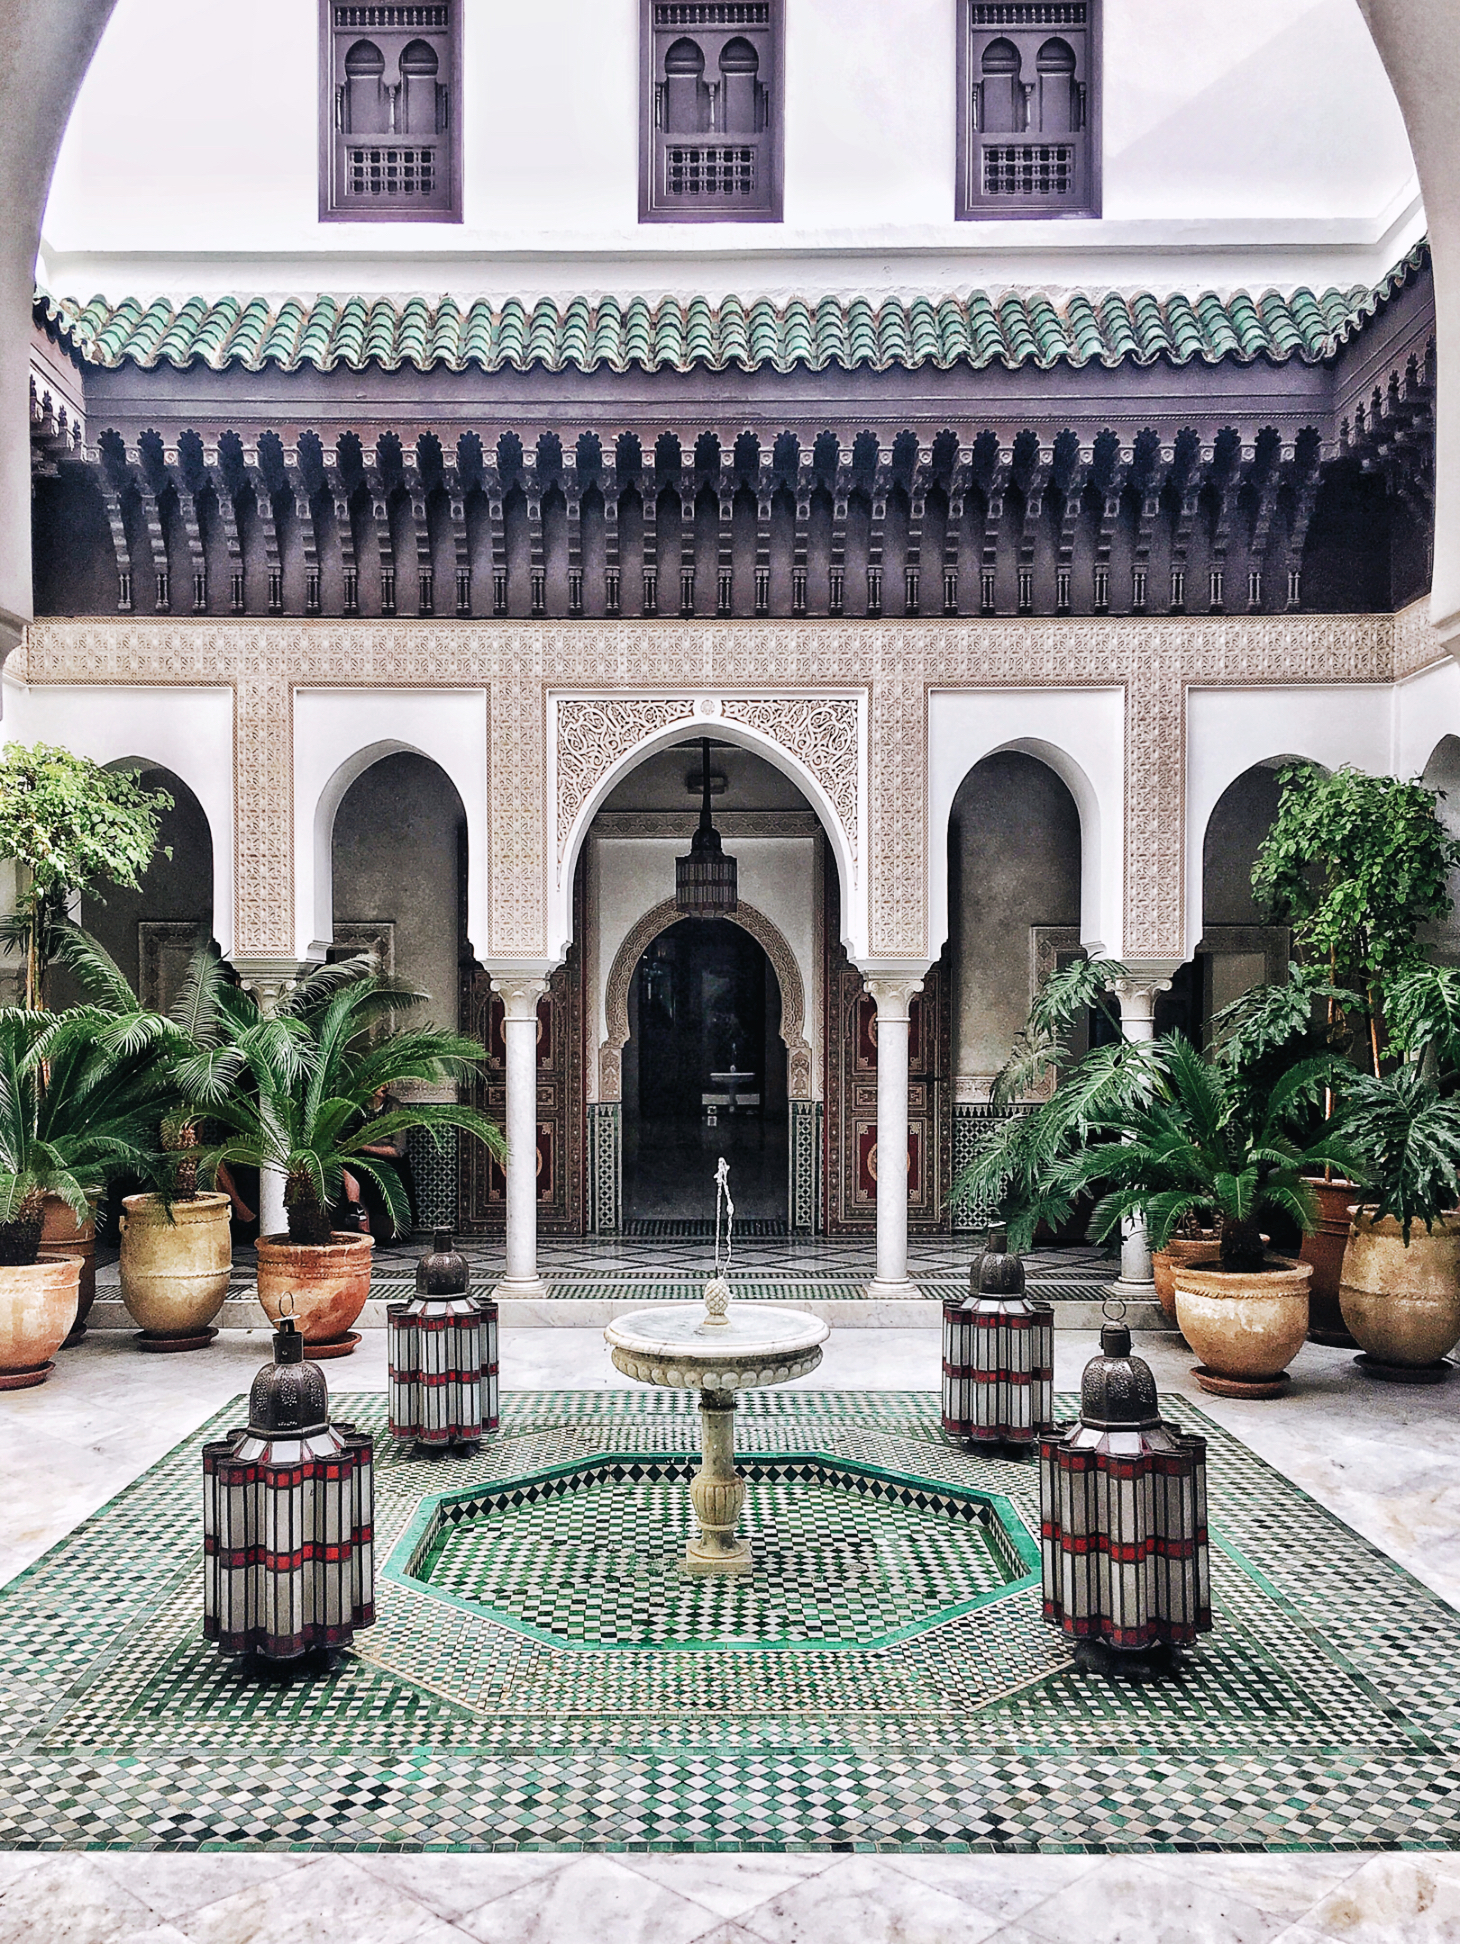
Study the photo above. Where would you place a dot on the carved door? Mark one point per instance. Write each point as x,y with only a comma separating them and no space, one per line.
851,1100
559,1104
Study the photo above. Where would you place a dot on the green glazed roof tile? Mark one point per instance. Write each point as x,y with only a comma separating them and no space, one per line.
976,328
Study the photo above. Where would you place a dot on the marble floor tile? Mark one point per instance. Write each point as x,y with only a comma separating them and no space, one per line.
69,1898
1395,1896
594,1898
1003,1887
866,1901
1285,1885
728,1885
331,1897
453,1885
1121,1901
172,1885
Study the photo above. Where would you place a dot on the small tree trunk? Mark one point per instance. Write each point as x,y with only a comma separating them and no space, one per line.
1242,1246
308,1222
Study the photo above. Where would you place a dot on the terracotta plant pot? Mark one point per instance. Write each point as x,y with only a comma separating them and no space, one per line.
1403,1305
37,1308
62,1235
1324,1249
322,1285
1245,1327
1180,1249
175,1273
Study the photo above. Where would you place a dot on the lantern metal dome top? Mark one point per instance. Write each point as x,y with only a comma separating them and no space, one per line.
289,1397
1117,1391
705,881
444,1271
996,1272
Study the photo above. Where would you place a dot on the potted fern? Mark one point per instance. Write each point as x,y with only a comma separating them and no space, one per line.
1356,865
1207,1143
177,1252
1400,1282
294,1091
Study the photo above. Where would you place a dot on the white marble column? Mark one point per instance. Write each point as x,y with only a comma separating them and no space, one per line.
268,979
1137,996
893,994
520,994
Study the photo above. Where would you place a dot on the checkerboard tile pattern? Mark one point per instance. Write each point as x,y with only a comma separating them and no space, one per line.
591,1556
1321,1713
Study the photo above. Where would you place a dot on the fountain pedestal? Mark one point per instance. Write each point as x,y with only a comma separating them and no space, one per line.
719,1351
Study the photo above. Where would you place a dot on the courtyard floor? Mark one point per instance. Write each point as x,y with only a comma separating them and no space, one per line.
877,1780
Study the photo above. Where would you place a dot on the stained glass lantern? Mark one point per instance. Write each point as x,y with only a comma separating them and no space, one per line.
1123,1514
443,1355
288,1519
705,881
998,1354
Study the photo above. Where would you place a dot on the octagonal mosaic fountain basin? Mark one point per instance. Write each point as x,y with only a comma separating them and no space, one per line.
846,1555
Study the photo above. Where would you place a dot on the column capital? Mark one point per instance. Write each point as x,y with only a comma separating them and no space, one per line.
519,992
267,978
893,991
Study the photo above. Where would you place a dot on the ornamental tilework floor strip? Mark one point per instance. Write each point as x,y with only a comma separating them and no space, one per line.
490,1709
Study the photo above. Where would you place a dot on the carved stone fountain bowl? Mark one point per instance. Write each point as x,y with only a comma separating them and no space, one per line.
678,1347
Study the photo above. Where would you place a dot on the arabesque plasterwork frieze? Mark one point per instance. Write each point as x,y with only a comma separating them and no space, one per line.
895,664
594,733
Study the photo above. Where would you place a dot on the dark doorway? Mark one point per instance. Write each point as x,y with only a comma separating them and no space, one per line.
704,1076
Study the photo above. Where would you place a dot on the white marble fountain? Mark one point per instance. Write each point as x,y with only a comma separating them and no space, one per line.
718,1349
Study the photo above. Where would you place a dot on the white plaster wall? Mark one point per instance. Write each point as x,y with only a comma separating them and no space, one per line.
338,734
776,874
186,730
1261,131
1080,733
1228,730
1426,709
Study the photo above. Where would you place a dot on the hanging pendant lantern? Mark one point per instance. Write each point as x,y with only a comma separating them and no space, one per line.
443,1355
1123,1516
288,1519
998,1354
705,881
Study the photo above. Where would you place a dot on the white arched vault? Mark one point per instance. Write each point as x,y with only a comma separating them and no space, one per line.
186,730
580,780
341,733
1080,735
1230,731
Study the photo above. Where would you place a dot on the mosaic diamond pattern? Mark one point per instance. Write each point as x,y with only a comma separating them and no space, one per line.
842,1557
1323,1712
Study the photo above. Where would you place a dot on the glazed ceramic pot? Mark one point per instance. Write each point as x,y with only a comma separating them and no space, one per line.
322,1285
175,1273
1403,1305
62,1235
1324,1249
37,1309
1180,1249
1246,1327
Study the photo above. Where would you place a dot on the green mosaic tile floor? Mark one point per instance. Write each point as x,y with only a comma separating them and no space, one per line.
1324,1711
597,1561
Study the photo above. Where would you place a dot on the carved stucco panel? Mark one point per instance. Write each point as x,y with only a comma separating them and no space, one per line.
824,732
593,733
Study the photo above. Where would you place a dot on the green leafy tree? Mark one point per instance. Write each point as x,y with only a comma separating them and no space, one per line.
70,825
1355,864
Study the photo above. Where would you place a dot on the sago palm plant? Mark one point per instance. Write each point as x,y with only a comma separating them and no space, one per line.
73,1113
294,1089
1207,1144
